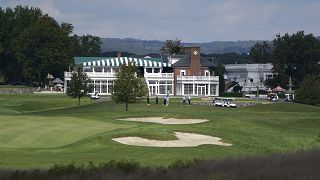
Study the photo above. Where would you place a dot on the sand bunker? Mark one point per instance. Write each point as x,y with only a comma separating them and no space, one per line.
184,140
161,120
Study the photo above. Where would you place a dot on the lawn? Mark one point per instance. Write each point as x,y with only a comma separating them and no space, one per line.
37,131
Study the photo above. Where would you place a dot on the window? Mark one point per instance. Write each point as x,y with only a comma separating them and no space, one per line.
110,86
149,70
107,70
182,72
115,70
188,89
98,69
169,88
104,86
97,86
206,73
156,70
87,69
213,89
162,89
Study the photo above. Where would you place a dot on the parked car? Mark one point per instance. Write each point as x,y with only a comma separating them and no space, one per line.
95,95
217,102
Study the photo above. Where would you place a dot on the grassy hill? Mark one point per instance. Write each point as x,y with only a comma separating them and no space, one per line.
37,131
153,46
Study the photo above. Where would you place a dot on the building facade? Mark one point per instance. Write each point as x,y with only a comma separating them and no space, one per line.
249,76
183,74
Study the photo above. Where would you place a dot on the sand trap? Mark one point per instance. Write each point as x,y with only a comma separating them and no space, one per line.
161,120
184,140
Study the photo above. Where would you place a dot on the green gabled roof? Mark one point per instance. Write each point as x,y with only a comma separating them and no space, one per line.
81,60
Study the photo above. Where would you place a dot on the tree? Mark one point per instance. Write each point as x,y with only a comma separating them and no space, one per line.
171,47
219,71
296,55
86,45
261,53
79,85
128,87
309,91
44,47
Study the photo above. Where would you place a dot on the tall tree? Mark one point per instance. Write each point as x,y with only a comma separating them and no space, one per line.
44,47
171,47
309,91
296,55
79,85
219,71
87,45
261,52
128,87
12,23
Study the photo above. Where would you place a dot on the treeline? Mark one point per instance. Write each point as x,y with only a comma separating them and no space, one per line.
33,45
140,47
302,165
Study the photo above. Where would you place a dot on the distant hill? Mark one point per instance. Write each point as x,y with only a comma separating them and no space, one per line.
153,46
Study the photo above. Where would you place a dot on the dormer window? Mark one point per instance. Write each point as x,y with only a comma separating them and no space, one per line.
182,72
206,73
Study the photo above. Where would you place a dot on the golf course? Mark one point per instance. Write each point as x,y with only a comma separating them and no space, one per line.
41,130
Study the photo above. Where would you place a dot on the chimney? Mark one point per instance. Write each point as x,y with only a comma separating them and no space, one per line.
119,54
195,65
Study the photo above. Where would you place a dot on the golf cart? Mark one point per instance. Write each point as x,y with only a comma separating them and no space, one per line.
289,97
229,102
272,97
217,102
95,95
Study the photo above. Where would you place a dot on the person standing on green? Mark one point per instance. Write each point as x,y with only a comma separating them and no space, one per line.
148,100
157,100
189,100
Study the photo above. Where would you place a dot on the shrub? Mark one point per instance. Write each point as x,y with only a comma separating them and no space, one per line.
233,94
309,91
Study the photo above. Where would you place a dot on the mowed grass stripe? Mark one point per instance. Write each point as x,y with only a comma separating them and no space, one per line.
46,132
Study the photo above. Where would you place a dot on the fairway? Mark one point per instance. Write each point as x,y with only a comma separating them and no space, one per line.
38,131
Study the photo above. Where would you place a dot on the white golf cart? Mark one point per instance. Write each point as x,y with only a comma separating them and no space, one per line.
95,95
217,102
229,102
289,97
272,97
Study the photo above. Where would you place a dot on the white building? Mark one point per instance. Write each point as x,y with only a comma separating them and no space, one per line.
188,75
249,76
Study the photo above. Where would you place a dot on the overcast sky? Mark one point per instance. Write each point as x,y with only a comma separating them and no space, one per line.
188,20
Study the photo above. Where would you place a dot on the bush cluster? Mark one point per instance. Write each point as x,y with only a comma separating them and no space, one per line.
300,165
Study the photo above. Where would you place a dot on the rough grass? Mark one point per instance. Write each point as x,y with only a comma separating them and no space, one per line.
302,165
37,131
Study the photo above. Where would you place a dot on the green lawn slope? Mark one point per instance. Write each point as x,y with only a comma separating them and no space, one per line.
37,131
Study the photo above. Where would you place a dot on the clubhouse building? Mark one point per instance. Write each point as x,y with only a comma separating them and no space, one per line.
184,74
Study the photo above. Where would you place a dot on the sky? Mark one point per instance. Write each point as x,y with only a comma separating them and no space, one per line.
188,20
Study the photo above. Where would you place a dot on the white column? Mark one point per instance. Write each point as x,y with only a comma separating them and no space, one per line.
194,89
100,86
182,89
209,89
107,86
217,90
94,85
65,86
